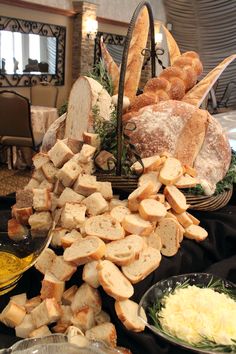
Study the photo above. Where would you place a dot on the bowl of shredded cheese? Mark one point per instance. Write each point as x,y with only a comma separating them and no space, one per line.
196,311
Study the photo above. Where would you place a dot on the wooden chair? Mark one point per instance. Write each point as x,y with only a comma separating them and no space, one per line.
44,94
15,122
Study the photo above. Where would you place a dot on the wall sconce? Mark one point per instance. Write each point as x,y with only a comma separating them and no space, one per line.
91,28
158,38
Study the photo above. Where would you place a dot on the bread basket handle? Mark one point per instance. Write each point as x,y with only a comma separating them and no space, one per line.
123,72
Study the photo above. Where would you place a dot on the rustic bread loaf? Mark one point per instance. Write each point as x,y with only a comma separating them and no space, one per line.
127,312
166,127
113,281
149,260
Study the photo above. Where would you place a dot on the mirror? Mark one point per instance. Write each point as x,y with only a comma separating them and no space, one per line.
114,44
31,52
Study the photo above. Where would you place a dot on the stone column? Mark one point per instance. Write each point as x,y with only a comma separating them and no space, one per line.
83,47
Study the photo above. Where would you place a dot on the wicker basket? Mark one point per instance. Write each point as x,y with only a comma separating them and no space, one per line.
209,203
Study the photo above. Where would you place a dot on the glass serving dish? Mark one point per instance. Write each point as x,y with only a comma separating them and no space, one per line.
17,256
58,344
164,287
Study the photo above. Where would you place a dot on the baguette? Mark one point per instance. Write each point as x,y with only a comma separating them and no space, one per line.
176,199
127,312
195,232
149,260
152,210
123,252
168,231
85,250
171,171
113,281
134,224
105,227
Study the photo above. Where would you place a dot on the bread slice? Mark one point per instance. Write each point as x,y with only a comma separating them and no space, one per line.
95,204
125,251
152,210
113,281
168,230
186,181
119,212
85,250
87,296
171,171
45,260
71,237
105,227
105,332
90,274
153,177
149,164
195,232
183,218
139,194
61,269
193,218
149,260
52,287
176,199
134,224
153,240
127,312
60,153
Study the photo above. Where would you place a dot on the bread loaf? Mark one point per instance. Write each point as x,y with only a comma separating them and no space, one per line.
166,127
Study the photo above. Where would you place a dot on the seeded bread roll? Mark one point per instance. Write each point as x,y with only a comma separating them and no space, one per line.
149,260
85,250
113,281
127,312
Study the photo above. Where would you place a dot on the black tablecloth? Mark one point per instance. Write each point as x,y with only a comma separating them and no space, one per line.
216,255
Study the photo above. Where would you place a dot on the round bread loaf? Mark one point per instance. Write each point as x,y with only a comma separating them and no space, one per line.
190,134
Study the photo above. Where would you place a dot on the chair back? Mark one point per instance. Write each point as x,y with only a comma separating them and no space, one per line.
15,118
44,95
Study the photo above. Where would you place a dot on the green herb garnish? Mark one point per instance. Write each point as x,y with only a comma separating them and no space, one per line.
100,74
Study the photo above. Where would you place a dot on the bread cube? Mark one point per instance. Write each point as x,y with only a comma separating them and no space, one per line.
40,223
61,269
38,175
52,287
40,332
42,199
15,230
86,153
60,153
45,260
69,196
40,159
19,299
69,294
69,173
84,318
50,171
25,328
105,188
73,215
86,185
56,235
95,204
86,296
13,314
33,183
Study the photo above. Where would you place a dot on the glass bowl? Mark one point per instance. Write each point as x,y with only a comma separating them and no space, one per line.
57,344
165,287
17,256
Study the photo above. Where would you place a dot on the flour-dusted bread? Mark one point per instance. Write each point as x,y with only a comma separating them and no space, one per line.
90,274
13,314
60,153
183,130
105,227
86,93
168,230
85,250
171,171
86,296
113,281
195,232
52,287
127,312
149,260
69,173
105,332
153,177
140,193
176,199
45,260
134,224
62,269
152,210
95,204
73,215
125,251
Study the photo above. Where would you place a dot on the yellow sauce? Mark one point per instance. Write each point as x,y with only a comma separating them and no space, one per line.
11,265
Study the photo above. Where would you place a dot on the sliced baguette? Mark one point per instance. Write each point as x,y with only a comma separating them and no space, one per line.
195,232
176,199
123,252
183,218
90,274
149,260
149,164
168,230
105,227
152,210
119,212
134,224
68,239
113,281
139,194
153,240
171,171
186,181
127,312
193,218
85,250
153,177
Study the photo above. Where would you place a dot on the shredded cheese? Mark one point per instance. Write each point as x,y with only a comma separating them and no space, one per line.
194,313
